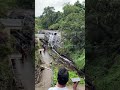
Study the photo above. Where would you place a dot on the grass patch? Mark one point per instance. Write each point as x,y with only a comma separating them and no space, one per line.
79,58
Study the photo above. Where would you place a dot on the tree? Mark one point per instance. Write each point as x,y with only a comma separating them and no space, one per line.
49,17
71,22
48,11
70,9
102,37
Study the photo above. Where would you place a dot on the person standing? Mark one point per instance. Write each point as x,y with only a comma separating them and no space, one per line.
62,78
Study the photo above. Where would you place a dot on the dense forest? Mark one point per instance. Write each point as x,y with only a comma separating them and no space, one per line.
71,22
102,43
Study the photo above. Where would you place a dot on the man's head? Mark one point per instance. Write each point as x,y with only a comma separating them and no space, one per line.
63,76
55,33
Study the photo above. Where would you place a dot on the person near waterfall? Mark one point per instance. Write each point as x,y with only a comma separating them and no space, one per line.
63,77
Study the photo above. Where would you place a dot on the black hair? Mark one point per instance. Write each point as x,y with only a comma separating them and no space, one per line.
63,76
55,33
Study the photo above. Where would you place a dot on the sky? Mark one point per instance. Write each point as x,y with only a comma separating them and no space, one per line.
57,4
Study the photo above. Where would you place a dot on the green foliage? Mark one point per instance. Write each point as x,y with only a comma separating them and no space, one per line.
73,27
79,59
54,26
73,74
108,78
68,9
71,22
102,29
55,76
37,24
48,19
74,34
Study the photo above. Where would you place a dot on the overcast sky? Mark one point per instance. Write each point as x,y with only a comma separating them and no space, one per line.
57,4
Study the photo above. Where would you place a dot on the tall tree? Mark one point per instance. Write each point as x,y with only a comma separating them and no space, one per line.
49,17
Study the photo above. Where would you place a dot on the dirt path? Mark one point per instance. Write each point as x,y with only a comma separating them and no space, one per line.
46,78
